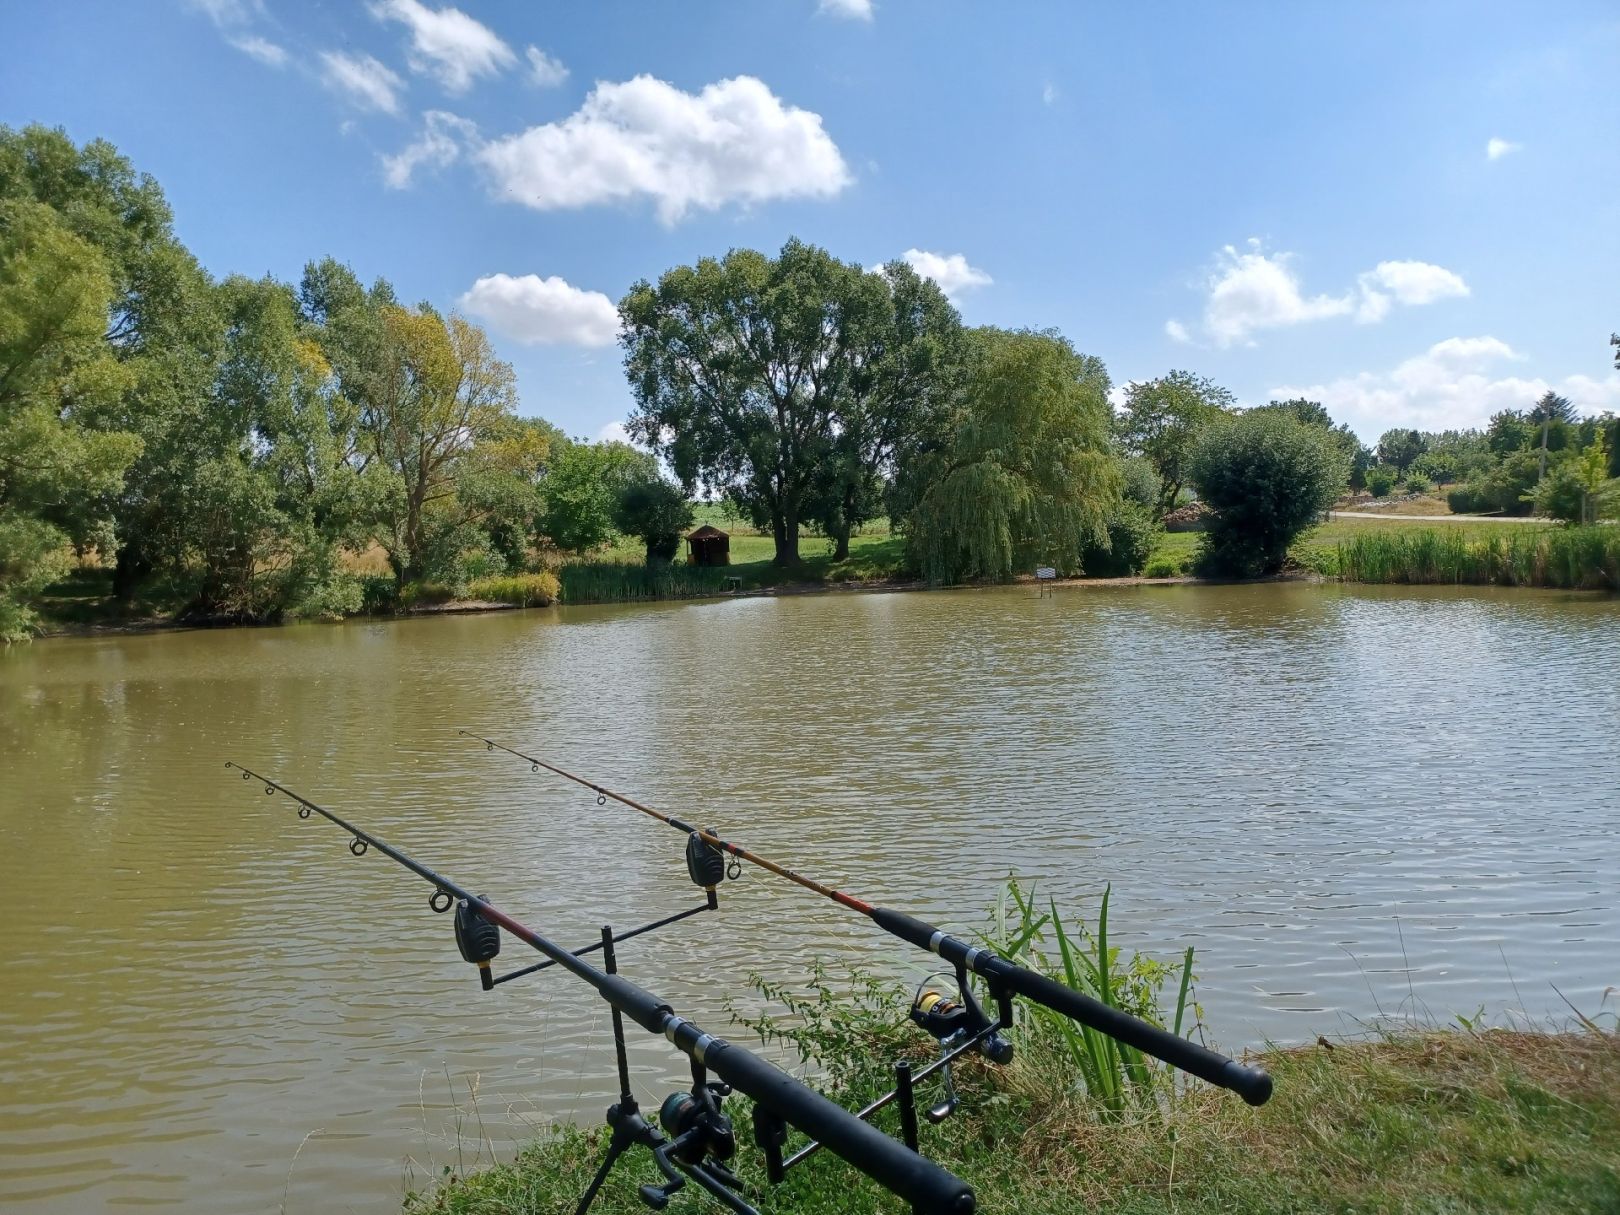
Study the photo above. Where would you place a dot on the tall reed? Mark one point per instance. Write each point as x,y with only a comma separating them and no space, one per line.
612,582
1118,1076
1571,558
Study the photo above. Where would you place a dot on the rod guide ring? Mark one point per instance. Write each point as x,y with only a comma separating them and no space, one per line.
357,846
441,901
303,812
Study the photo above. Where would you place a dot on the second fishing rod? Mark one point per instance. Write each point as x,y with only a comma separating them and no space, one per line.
1003,978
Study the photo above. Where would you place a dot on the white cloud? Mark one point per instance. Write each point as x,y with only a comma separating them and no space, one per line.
262,49
367,83
446,43
543,311
232,19
1457,383
614,432
734,141
1410,283
440,144
1176,331
1049,93
1495,148
545,71
1251,290
853,10
950,270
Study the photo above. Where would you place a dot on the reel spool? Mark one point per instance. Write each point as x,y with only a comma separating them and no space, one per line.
939,1015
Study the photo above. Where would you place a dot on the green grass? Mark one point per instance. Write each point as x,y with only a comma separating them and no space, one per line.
875,555
1414,1120
1417,1123
519,590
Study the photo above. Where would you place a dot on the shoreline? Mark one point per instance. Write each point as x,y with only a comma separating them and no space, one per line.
471,607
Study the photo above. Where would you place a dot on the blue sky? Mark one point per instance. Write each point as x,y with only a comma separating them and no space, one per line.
1408,211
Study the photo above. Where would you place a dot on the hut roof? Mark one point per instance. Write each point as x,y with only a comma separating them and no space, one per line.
706,531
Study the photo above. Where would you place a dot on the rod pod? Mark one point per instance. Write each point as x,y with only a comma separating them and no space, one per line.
930,1189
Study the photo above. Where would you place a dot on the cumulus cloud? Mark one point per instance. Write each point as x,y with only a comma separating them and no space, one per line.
950,270
1250,290
362,79
852,10
446,43
543,311
1410,283
443,137
733,142
545,71
1495,148
1457,383
614,432
1049,93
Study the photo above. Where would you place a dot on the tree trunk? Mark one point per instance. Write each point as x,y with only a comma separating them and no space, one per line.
787,536
841,542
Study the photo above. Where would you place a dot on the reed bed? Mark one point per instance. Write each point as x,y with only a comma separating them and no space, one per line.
520,590
608,582
1569,558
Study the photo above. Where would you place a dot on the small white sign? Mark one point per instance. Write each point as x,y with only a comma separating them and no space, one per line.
1045,571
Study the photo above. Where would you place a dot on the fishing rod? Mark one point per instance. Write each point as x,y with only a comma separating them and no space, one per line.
700,1138
1003,978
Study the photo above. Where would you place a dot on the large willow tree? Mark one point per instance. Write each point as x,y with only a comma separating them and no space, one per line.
1025,475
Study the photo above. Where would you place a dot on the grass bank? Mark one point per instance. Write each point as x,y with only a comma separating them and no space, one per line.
1416,1122
1411,1120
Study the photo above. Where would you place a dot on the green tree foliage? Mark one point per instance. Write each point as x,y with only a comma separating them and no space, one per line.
1510,431
1400,448
1551,407
788,384
582,490
1579,490
162,326
655,512
1314,413
1380,480
1026,475
1267,477
1163,420
57,374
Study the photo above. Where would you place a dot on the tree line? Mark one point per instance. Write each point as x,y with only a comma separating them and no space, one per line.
232,446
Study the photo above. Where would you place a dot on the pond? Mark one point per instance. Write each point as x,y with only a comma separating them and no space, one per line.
1352,801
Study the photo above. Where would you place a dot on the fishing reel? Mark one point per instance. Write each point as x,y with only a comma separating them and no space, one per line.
956,1024
701,1140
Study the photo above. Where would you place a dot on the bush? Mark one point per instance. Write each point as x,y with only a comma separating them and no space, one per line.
1380,480
1132,533
1464,500
656,512
1417,483
1166,567
1562,494
519,590
379,593
1267,477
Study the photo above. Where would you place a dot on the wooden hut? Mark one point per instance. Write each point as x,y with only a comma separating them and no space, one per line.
708,546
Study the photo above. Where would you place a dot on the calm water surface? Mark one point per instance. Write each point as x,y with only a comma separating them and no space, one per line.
1351,800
